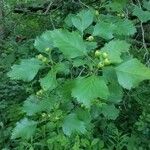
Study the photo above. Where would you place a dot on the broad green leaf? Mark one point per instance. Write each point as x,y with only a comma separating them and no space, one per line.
104,30
72,125
33,105
146,4
143,16
66,90
44,41
109,74
49,82
68,20
110,112
87,89
109,28
117,5
83,20
69,43
116,92
124,27
131,72
26,70
90,45
62,67
24,129
80,62
115,48
84,115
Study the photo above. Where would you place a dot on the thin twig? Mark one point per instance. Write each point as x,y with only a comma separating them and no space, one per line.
48,8
83,4
143,38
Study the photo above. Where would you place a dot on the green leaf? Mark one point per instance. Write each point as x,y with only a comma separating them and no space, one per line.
84,115
87,89
49,82
117,5
110,111
26,70
146,4
131,72
109,74
33,105
143,16
124,27
90,45
104,30
69,43
115,48
66,90
68,20
116,92
83,20
62,67
24,129
44,41
109,28
79,62
72,125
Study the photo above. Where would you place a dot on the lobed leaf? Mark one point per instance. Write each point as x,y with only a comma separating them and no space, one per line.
44,41
131,73
72,124
33,105
87,89
142,15
115,48
26,70
24,129
49,82
70,44
83,20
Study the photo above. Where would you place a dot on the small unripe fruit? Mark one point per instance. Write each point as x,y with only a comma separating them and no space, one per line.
97,53
56,118
40,56
90,38
107,61
100,65
44,59
47,49
105,55
122,15
119,15
82,105
43,114
40,92
96,12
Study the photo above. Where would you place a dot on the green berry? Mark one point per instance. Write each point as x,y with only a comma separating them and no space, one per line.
105,55
43,114
40,92
44,60
90,38
97,53
107,61
100,65
47,49
122,15
40,56
96,12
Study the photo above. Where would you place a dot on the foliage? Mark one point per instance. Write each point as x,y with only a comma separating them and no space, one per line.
84,84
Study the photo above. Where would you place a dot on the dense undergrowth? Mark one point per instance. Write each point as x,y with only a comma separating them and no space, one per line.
75,77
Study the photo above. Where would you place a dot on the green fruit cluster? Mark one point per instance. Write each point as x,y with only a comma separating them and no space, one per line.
104,60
